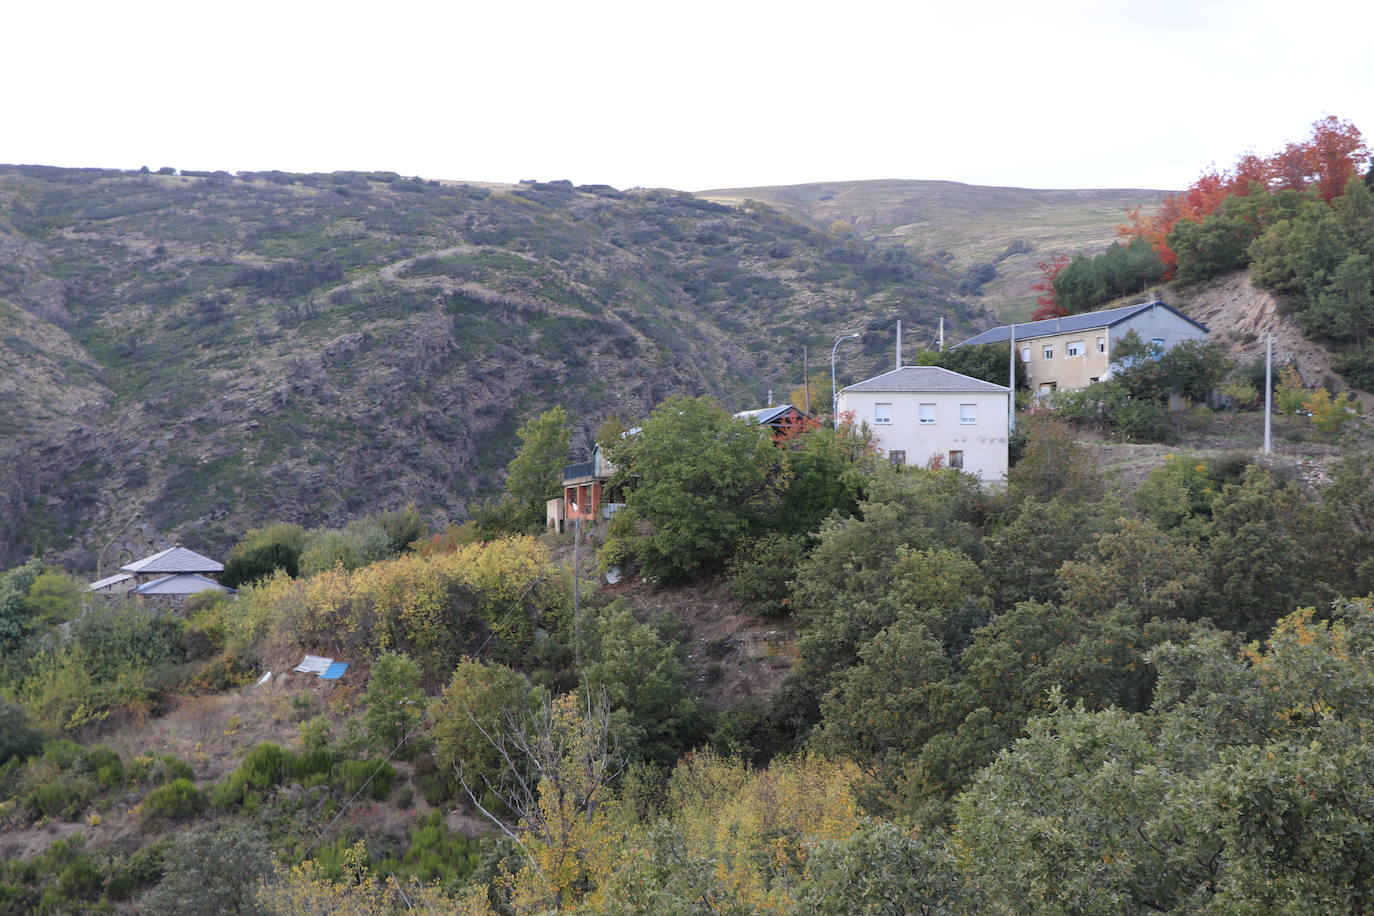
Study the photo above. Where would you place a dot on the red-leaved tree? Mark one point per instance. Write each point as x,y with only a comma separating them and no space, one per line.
1047,304
1323,164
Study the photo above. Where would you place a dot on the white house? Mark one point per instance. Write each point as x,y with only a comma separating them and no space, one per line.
1064,354
921,414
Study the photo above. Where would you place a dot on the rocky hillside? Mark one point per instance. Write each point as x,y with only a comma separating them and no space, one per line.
191,354
990,238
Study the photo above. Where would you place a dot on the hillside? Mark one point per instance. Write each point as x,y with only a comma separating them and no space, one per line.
967,227
198,352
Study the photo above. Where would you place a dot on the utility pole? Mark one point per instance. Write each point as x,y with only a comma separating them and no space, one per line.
806,378
899,343
1268,391
1011,383
834,394
941,348
577,587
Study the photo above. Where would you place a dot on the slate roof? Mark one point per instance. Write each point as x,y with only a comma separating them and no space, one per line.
763,414
106,582
1071,323
925,378
181,584
174,560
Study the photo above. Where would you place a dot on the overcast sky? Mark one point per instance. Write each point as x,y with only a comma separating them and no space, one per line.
707,94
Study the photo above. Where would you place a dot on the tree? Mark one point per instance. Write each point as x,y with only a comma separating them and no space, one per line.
1257,562
480,702
1047,304
698,480
393,699
640,673
983,361
826,471
211,872
262,551
1054,465
535,474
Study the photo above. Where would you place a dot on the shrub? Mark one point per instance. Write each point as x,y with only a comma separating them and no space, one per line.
18,736
211,873
761,571
394,701
177,800
352,776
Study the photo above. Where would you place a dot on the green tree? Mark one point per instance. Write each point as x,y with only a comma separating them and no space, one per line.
1257,560
211,872
988,362
1054,465
535,474
393,700
638,668
480,702
1022,555
264,550
826,471
698,478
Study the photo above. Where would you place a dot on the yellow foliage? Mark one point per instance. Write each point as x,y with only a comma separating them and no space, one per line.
303,891
413,602
759,825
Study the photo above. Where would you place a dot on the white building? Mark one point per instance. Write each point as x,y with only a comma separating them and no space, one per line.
924,414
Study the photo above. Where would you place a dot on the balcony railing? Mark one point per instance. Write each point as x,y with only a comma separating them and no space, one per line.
579,470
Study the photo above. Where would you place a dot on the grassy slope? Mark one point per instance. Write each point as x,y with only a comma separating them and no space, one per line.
965,225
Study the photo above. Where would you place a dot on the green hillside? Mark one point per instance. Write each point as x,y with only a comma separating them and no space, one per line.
969,228
211,351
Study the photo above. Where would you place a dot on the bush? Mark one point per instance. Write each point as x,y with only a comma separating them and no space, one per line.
211,873
1142,421
352,775
177,800
18,736
761,571
158,768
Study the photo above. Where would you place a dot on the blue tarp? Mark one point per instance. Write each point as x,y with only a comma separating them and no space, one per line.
334,671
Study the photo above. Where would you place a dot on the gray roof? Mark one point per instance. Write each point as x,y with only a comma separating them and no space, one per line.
1070,323
182,584
106,582
763,414
174,560
924,378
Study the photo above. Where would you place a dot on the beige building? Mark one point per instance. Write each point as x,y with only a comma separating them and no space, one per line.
1064,354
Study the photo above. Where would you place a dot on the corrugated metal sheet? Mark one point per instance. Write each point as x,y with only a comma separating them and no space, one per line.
334,671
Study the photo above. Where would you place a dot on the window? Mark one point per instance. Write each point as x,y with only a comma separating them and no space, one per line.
1025,354
1049,352
882,414
1075,348
927,413
897,457
1048,387
968,413
956,459
1094,379
1158,343
1101,345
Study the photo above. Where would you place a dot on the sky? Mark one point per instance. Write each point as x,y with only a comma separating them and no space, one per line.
711,94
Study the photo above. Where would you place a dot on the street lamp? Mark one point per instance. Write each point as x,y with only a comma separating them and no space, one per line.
834,394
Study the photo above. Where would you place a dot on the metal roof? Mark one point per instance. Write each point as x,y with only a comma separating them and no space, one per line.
1071,323
180,584
763,414
924,378
174,560
106,582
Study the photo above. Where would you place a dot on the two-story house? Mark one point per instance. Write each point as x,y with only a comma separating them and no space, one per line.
924,414
1064,354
